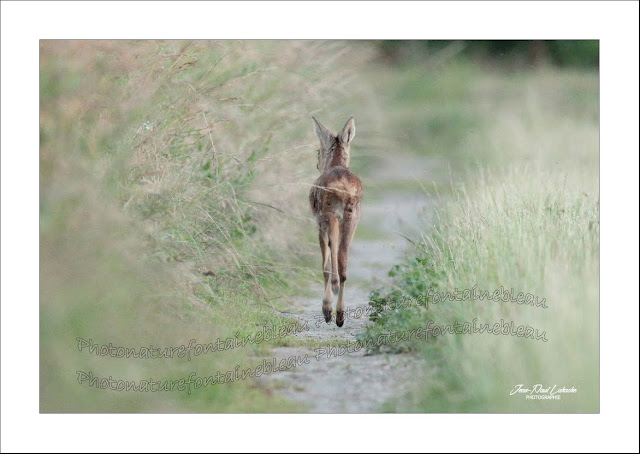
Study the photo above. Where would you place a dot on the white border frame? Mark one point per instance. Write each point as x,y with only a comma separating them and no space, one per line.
614,23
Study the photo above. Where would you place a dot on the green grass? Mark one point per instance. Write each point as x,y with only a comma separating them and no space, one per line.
174,178
168,172
526,218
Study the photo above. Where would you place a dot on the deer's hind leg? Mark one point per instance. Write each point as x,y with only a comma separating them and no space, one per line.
327,301
347,231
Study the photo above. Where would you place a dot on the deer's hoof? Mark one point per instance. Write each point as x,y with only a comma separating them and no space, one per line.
326,311
339,318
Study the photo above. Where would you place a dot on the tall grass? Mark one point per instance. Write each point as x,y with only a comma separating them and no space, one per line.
171,175
527,219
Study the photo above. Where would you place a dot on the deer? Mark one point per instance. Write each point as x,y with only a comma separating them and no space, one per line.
335,199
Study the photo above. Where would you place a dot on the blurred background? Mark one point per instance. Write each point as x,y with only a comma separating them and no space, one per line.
505,53
173,206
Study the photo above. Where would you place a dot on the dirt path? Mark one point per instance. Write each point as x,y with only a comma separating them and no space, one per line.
355,382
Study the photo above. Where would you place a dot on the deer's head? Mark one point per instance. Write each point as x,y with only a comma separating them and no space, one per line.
334,149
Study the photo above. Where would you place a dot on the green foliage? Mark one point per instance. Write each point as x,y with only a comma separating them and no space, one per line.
162,212
172,208
527,219
519,53
575,53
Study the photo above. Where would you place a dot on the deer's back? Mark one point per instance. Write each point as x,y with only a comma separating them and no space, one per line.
336,191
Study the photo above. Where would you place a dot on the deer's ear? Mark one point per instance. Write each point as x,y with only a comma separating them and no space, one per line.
348,132
323,133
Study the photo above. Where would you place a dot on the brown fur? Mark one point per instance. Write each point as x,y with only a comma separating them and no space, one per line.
335,200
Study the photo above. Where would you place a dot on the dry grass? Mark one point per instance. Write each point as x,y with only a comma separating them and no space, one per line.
172,178
526,216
